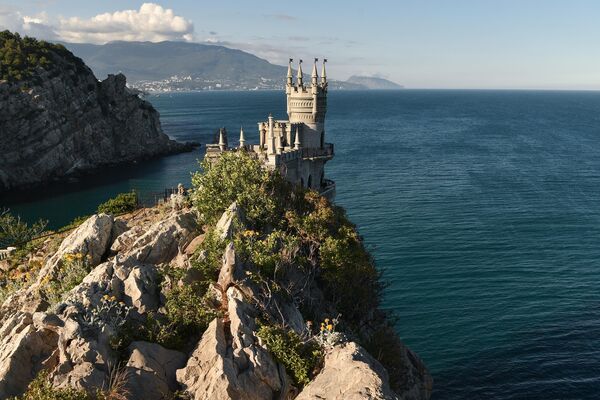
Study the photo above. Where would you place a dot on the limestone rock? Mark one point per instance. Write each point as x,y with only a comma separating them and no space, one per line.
241,370
349,373
24,350
163,240
151,371
226,224
72,124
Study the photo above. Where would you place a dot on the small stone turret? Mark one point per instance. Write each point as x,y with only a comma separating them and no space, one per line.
299,77
222,139
242,138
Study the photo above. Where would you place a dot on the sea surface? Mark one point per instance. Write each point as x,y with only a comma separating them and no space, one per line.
482,208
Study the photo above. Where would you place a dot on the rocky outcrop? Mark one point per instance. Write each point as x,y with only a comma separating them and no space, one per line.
74,340
62,122
236,368
349,373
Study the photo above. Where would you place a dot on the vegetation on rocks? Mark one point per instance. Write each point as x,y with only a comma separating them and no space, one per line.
73,269
290,226
21,57
300,358
17,233
120,204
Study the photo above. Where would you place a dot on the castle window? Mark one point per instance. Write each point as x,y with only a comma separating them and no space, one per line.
309,185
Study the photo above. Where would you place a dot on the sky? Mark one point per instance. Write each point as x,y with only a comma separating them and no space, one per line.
470,44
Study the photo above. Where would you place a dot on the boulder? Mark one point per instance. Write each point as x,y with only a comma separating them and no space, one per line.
241,369
349,373
163,240
151,371
226,225
24,351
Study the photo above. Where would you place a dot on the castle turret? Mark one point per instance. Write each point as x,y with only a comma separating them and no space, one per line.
271,137
307,106
299,77
222,139
242,138
324,74
297,143
290,78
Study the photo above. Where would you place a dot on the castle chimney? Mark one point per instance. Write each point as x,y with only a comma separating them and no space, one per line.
299,79
242,138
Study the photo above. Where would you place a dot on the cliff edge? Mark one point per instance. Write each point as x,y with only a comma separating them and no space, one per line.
57,120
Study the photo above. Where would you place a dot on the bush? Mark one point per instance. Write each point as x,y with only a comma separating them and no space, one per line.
73,269
299,358
41,389
20,58
121,204
14,232
238,177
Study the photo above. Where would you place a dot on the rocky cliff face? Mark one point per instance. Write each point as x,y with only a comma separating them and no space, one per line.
62,121
74,342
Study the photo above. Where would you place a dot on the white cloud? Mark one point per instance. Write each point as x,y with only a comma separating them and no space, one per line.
151,22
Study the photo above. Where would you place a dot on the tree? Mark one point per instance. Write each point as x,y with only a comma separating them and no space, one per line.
17,233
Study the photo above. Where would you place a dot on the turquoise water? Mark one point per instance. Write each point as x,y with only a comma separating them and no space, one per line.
482,208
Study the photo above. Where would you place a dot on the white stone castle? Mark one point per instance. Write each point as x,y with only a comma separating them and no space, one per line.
296,146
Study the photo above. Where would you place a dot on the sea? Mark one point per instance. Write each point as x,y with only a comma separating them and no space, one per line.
482,210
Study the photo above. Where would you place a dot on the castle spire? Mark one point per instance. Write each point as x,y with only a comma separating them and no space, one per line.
323,73
271,143
242,138
314,75
299,79
279,144
222,140
289,74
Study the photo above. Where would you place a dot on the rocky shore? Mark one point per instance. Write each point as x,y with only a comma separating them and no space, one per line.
72,341
62,122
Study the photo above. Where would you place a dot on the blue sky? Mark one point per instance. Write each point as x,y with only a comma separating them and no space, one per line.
527,44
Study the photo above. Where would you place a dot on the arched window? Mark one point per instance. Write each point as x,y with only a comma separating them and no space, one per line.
322,139
309,185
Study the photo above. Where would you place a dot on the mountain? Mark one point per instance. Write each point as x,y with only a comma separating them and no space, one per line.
191,66
182,66
58,120
369,82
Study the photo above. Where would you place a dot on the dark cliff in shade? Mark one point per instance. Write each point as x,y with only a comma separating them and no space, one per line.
57,120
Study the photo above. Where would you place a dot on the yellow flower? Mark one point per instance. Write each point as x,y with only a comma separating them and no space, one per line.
326,320
105,297
322,328
121,303
329,327
113,298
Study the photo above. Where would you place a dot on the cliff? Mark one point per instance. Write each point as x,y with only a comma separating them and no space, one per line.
58,120
244,288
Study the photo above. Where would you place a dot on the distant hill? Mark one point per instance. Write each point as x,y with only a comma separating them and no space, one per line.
192,65
370,82
182,66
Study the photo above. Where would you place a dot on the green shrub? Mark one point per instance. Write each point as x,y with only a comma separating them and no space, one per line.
238,177
121,204
299,358
73,269
14,232
41,389
20,58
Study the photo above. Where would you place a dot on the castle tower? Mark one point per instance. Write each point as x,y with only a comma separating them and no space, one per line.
307,105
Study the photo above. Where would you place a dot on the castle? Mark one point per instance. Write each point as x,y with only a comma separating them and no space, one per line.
296,147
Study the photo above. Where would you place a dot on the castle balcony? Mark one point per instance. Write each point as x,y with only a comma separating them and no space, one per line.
325,153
